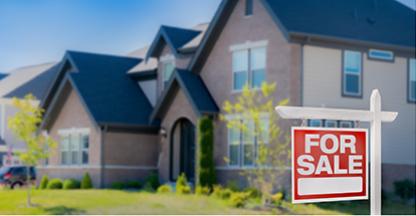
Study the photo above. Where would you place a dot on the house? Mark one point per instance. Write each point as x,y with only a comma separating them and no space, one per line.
120,118
32,79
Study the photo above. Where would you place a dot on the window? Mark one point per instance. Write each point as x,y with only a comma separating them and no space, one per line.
380,55
243,145
330,123
249,8
315,123
412,80
74,146
168,68
249,67
352,74
346,124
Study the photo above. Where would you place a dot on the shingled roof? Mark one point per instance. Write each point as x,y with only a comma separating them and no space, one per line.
108,93
3,75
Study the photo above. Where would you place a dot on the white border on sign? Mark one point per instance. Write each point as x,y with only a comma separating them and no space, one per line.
336,198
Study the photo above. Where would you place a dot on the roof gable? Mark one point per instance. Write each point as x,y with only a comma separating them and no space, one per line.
195,90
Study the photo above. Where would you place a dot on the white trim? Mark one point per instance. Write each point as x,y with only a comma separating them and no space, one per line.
167,57
248,45
68,131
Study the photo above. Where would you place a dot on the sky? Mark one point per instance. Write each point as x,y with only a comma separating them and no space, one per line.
39,31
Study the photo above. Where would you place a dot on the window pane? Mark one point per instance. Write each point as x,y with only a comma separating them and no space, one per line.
259,76
258,58
240,79
248,154
412,69
234,136
64,143
249,7
346,124
331,123
352,84
265,131
234,154
352,62
315,123
248,135
167,71
85,142
240,60
85,157
412,79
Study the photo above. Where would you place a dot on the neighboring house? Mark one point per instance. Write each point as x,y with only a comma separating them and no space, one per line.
20,82
131,116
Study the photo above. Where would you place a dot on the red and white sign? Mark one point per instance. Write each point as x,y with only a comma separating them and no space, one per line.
329,164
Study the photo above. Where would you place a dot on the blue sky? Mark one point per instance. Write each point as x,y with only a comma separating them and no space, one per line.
38,31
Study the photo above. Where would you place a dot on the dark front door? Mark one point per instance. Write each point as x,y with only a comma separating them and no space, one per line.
183,150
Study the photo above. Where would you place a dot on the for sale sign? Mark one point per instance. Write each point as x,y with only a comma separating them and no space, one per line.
329,164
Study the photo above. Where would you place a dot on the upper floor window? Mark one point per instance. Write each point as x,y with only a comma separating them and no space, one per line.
74,146
412,80
330,123
249,8
380,55
168,67
249,67
352,74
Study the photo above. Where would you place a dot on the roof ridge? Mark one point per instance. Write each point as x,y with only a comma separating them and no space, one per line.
32,65
180,28
102,54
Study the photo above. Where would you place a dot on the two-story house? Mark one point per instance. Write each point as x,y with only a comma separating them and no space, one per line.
120,118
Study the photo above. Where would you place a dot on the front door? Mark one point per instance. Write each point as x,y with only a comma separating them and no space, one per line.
182,154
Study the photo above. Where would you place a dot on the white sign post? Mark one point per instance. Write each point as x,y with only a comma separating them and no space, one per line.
375,116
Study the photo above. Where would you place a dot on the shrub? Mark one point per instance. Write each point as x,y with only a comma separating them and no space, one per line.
277,198
164,189
133,184
55,184
233,185
44,182
199,190
221,193
71,184
239,199
86,182
118,185
148,187
152,180
182,186
253,192
405,189
206,166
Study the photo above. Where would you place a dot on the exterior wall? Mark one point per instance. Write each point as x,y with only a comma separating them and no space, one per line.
73,115
129,156
180,108
282,67
180,62
322,77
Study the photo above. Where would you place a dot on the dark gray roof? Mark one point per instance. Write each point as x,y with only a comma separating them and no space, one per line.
109,94
3,75
37,86
380,21
173,36
195,90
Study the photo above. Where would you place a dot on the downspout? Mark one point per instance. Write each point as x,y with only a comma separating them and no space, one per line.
104,130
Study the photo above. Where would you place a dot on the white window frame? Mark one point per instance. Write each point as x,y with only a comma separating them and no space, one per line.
409,79
78,133
345,73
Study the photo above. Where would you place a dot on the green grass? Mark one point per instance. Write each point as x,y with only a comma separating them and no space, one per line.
125,202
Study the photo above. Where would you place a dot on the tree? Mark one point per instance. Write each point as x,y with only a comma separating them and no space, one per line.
24,124
254,117
206,166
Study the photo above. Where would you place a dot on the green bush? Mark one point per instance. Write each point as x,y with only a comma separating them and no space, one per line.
133,185
405,189
44,182
206,165
86,182
148,187
55,184
182,186
199,190
118,186
222,193
233,185
152,181
71,184
164,189
277,198
253,192
239,199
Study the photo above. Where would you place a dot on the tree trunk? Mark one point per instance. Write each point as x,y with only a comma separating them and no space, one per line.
28,182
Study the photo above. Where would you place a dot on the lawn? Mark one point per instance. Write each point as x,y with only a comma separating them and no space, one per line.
125,202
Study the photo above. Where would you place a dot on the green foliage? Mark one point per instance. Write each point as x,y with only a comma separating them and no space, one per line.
55,184
133,185
44,182
233,185
152,181
277,199
164,189
148,187
182,186
239,199
86,182
253,115
253,192
199,190
405,189
118,185
206,165
71,184
222,193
